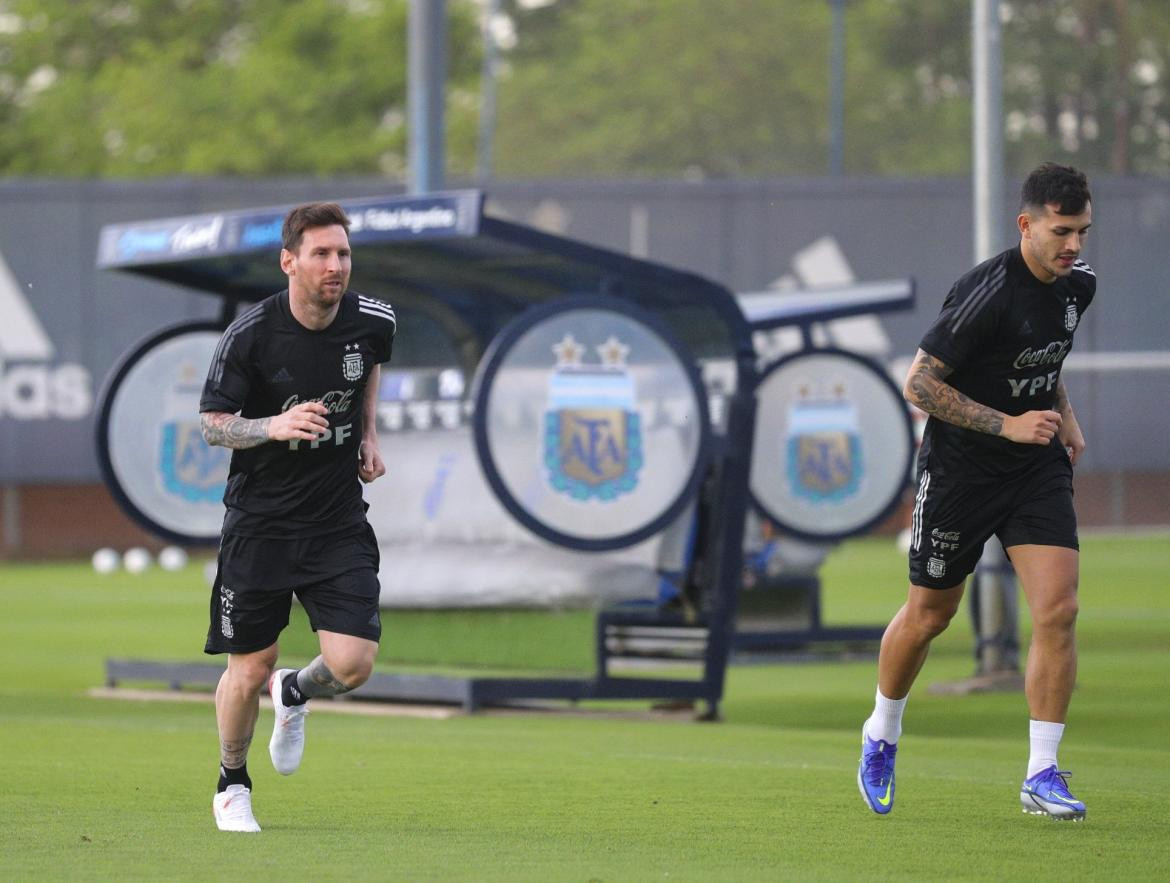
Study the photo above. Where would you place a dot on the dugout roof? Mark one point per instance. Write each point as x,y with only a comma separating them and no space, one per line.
441,261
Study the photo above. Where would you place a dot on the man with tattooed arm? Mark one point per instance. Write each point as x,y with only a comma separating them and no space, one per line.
997,458
292,390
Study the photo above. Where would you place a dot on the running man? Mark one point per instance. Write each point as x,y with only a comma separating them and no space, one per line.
997,458
292,390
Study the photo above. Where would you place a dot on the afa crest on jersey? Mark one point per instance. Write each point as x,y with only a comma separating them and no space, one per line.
1070,317
352,366
824,449
592,431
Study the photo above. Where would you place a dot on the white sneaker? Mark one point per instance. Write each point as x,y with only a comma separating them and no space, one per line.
287,744
233,810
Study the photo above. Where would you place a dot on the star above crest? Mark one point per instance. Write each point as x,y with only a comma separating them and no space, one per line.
613,353
568,352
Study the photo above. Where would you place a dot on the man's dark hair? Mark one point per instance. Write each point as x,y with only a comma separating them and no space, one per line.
312,214
1052,184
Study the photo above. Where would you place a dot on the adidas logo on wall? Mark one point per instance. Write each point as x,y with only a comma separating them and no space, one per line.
31,387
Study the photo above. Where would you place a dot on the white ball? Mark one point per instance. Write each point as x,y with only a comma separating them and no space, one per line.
105,560
172,558
903,541
136,560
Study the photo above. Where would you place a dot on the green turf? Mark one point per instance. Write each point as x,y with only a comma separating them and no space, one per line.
101,789
474,639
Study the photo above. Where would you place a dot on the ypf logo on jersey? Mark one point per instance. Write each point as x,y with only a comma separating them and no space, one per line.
593,434
30,387
352,367
824,447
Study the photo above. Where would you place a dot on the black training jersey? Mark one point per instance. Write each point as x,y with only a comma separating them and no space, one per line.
1005,335
266,363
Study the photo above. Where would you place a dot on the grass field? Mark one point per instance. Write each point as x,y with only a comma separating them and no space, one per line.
114,789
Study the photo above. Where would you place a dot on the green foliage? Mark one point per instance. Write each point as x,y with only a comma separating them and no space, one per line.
586,88
670,87
236,87
667,86
1085,83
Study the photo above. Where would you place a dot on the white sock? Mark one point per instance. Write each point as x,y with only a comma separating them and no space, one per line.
885,724
1044,739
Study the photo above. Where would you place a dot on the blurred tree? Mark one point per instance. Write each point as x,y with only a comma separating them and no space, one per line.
586,87
1085,82
135,88
908,87
667,87
604,87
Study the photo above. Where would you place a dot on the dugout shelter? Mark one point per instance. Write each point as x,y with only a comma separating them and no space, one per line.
480,302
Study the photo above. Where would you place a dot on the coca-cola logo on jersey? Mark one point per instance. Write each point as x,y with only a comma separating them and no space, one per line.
1047,355
336,400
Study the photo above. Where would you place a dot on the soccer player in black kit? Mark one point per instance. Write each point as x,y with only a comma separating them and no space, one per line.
292,389
997,458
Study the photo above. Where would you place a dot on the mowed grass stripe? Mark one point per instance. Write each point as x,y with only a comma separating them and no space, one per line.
96,789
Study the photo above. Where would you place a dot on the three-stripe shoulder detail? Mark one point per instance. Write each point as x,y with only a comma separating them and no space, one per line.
985,286
377,308
242,322
1081,267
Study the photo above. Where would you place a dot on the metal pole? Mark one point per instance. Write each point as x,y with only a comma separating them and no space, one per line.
837,91
994,592
987,130
426,75
484,159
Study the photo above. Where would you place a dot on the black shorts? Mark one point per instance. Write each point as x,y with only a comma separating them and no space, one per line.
335,577
953,519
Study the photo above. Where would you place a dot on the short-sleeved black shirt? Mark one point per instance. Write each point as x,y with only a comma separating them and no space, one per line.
266,363
1005,335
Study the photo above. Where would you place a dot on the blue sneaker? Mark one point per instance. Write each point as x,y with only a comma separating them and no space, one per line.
875,774
1047,794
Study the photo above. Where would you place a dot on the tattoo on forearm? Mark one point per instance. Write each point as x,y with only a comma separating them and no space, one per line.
933,395
320,680
231,431
234,755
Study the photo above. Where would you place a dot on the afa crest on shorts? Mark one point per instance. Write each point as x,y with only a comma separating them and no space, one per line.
188,467
824,451
592,430
352,366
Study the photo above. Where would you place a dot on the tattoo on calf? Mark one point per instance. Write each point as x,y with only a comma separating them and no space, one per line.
931,393
234,755
321,681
